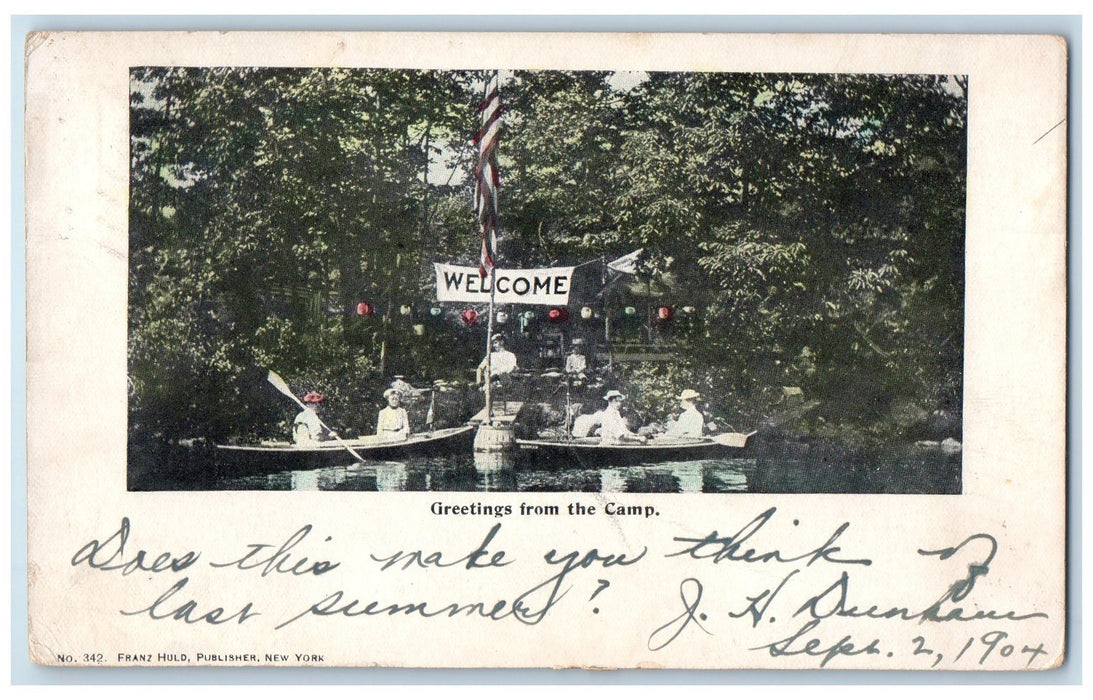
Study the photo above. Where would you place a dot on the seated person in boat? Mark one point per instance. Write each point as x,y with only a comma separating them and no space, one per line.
307,428
392,424
614,430
575,361
502,362
690,422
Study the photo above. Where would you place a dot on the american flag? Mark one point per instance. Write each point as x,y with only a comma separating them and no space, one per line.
486,176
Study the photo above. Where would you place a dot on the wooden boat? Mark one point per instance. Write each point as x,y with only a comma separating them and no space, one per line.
591,452
272,456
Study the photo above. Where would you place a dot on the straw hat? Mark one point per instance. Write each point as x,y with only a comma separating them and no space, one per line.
689,395
613,394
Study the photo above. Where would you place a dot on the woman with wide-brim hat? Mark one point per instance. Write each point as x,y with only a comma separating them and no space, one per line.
690,423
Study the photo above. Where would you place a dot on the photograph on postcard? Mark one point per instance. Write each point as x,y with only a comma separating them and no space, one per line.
675,281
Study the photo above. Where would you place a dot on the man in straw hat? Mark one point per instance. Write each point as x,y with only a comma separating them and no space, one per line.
575,362
307,428
392,424
614,430
690,422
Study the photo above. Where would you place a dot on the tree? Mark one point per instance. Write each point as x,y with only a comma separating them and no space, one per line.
814,223
266,204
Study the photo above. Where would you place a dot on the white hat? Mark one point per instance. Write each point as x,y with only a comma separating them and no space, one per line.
614,394
389,392
689,394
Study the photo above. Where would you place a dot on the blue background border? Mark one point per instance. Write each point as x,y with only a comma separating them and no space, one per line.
23,672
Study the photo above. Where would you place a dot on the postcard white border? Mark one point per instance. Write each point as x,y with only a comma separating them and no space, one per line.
1024,24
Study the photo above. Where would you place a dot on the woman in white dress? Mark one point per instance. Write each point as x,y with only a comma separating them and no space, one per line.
392,424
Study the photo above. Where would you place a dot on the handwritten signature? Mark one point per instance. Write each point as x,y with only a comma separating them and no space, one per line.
834,601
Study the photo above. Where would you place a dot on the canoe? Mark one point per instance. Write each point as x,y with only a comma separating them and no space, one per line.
273,456
590,452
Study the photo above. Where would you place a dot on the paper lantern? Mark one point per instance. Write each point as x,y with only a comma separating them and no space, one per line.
405,310
502,317
558,315
436,311
470,317
665,313
629,311
586,312
365,309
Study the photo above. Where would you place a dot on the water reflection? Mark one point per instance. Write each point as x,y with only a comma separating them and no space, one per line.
499,472
689,476
391,477
305,481
497,480
823,467
612,481
769,471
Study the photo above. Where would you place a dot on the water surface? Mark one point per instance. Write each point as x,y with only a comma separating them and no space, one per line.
791,468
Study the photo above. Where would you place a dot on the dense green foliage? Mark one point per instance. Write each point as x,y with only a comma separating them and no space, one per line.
815,223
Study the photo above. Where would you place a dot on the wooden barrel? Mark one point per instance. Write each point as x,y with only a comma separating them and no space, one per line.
494,438
494,462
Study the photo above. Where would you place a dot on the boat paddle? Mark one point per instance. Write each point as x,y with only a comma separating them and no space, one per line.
732,439
281,386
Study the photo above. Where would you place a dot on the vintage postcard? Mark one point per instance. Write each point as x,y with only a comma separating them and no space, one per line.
546,350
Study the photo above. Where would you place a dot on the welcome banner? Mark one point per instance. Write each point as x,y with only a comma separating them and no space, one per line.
547,285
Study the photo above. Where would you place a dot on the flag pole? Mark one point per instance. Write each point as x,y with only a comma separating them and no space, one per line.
487,181
489,351
490,438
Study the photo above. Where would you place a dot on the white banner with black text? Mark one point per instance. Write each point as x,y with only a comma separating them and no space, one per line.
547,285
